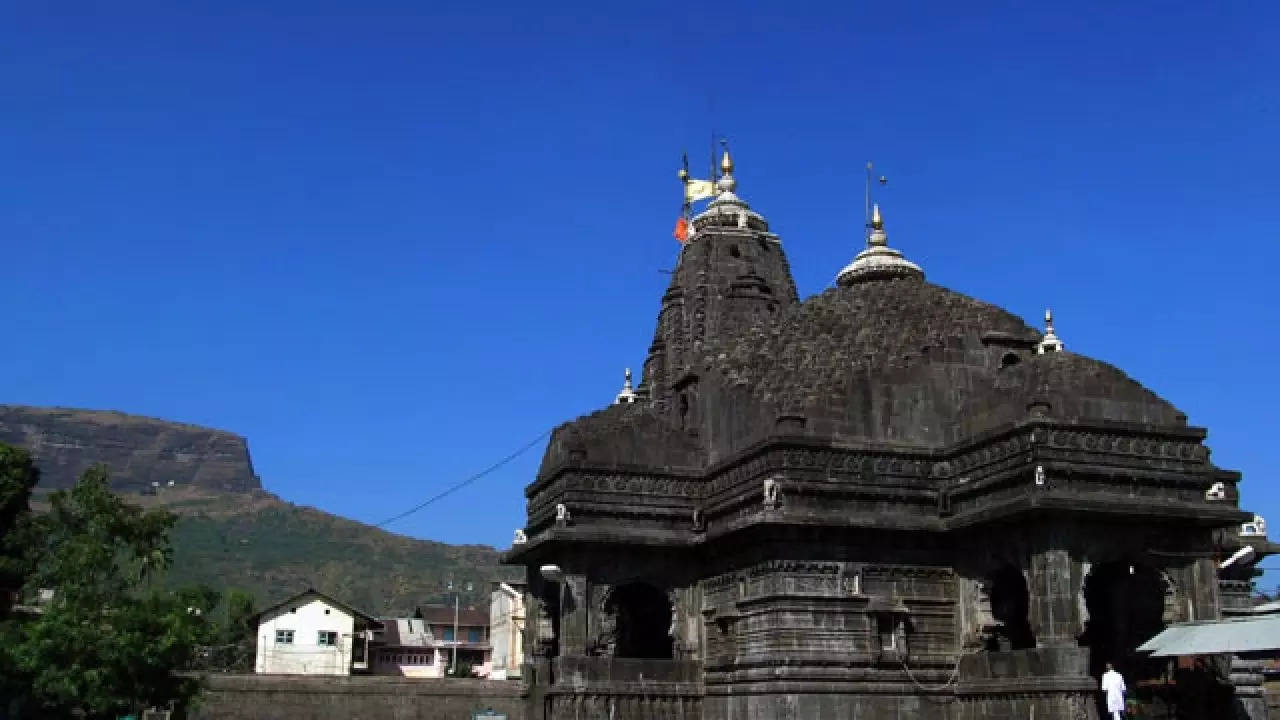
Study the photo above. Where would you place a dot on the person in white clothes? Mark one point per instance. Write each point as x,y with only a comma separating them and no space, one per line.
1113,688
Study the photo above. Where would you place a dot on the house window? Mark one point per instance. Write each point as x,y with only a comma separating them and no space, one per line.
327,637
284,637
448,634
473,635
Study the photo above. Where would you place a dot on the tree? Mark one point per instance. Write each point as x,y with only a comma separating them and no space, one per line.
240,633
109,642
18,476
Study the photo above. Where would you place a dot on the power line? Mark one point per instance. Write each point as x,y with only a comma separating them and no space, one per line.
449,491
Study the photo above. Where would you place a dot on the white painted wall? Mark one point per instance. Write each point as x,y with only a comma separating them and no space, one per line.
506,630
306,617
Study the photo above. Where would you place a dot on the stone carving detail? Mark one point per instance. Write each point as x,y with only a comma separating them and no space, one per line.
698,521
772,493
1082,607
520,538
1255,528
1172,608
1217,491
545,629
562,515
677,641
604,640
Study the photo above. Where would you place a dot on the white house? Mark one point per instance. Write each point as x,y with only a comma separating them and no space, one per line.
312,634
506,629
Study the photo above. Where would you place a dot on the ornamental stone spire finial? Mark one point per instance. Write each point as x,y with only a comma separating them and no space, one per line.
878,261
727,182
627,395
726,209
878,235
1050,342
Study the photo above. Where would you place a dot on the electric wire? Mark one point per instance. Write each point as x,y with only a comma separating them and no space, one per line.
454,488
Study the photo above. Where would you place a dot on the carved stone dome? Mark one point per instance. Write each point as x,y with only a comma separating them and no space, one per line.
902,360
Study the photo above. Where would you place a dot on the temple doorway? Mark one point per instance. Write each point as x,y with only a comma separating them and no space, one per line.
1126,608
1010,604
643,621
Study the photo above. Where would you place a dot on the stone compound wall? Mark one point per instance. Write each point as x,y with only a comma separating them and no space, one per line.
295,697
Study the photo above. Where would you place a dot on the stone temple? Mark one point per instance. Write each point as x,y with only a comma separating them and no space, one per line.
887,501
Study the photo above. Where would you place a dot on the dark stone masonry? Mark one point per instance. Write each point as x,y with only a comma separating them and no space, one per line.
888,501
367,697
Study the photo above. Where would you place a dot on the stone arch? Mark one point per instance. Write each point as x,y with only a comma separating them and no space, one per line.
641,621
1008,600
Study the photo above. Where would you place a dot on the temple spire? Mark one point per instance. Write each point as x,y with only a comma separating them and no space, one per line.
1050,342
878,261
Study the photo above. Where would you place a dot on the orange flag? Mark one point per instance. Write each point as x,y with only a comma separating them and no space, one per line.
682,230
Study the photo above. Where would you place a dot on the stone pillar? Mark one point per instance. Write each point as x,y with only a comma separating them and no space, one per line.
573,615
1054,586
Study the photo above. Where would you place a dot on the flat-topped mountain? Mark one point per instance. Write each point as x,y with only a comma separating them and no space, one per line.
138,450
232,533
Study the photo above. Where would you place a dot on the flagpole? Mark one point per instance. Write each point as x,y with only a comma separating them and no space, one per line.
714,177
866,214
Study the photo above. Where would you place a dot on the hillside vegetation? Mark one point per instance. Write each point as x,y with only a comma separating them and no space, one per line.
272,548
232,534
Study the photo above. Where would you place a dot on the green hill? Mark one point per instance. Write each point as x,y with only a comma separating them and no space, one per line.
231,533
273,548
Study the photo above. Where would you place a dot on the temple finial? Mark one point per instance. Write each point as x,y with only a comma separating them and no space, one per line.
878,261
878,236
727,182
1050,342
627,395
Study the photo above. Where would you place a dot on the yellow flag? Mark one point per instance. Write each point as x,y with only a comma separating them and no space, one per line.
698,189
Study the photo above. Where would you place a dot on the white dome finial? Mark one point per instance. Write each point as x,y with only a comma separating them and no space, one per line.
1050,342
878,261
627,395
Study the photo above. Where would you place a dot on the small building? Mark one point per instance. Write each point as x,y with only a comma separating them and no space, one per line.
506,627
406,647
470,642
312,634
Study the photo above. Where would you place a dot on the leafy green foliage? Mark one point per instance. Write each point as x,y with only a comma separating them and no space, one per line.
239,631
110,641
18,475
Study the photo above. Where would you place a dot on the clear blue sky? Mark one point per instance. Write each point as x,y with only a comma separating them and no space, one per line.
390,242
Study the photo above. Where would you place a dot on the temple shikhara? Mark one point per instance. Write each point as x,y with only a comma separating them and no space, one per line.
887,501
